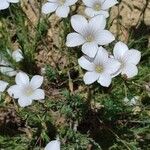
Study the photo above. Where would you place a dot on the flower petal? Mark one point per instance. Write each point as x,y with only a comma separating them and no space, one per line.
17,55
91,13
3,85
53,145
104,37
8,71
15,91
79,23
104,80
38,94
101,56
112,66
49,7
24,101
53,1
85,64
13,1
88,3
132,56
98,22
108,3
70,2
36,81
62,11
90,77
74,39
90,49
4,5
22,78
119,50
130,70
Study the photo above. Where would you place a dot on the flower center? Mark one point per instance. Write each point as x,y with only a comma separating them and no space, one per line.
97,7
99,69
89,38
122,64
61,2
28,91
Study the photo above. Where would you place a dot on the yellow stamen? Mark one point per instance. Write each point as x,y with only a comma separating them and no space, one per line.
97,7
99,69
28,91
89,38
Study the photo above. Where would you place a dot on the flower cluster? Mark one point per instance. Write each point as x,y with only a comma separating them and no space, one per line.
91,35
101,66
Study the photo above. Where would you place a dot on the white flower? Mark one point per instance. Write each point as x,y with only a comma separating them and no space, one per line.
3,85
6,69
26,91
89,34
128,59
60,6
4,4
53,145
98,7
100,69
17,55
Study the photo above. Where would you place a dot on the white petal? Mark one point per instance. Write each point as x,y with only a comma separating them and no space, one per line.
88,3
90,49
79,23
116,73
38,94
101,56
108,3
70,2
85,64
24,101
98,22
53,1
90,77
22,78
104,37
17,55
102,1
62,11
13,1
8,71
4,4
105,13
53,145
3,85
4,62
104,80
132,56
112,66
49,7
119,50
130,70
74,39
15,91
91,13
36,81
